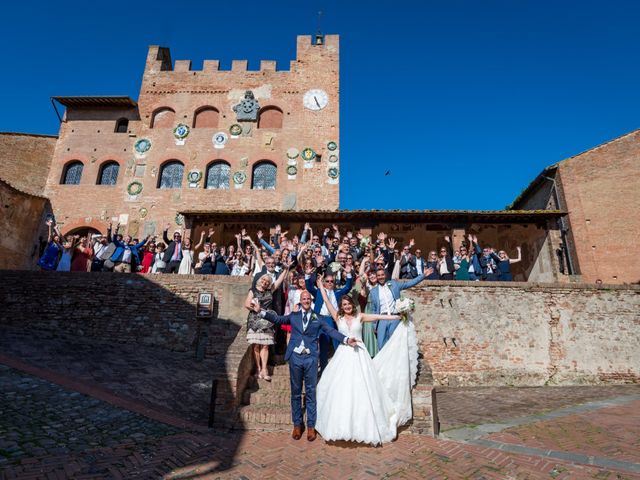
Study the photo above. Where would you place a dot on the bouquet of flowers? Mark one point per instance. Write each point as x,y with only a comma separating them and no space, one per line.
364,242
403,307
335,267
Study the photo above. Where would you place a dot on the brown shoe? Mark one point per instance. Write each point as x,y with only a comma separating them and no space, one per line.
311,434
297,432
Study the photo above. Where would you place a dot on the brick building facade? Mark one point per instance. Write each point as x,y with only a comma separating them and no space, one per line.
239,148
600,188
286,143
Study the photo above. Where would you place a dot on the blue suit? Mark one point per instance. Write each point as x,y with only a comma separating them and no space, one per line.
318,300
304,366
387,327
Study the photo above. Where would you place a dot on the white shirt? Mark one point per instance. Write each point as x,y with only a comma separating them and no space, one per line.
334,301
386,299
99,249
443,266
126,255
420,264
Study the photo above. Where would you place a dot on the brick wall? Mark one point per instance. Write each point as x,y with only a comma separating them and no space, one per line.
601,188
505,333
156,310
25,160
528,334
88,135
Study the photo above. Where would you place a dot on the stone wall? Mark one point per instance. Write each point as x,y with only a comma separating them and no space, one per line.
528,334
21,222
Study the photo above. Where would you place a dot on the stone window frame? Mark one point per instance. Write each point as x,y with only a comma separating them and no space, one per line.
210,166
163,168
101,171
258,165
66,171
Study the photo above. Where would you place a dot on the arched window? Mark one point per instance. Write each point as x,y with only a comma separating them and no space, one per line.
264,176
206,117
270,117
171,174
122,125
72,173
163,118
218,175
108,173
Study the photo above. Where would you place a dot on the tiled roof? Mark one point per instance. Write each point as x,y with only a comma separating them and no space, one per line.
96,101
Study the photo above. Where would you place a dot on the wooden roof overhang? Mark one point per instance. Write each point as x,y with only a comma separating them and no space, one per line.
363,217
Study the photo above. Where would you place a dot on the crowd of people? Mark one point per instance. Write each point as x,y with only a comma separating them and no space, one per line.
349,263
330,249
332,267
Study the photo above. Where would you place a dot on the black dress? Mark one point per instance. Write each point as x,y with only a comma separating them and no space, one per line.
259,330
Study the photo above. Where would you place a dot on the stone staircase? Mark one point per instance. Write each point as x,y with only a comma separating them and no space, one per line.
267,405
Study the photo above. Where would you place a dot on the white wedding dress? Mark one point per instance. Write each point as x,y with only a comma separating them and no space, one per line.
365,400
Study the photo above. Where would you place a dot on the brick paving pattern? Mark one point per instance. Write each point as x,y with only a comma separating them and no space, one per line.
88,438
613,432
477,405
269,455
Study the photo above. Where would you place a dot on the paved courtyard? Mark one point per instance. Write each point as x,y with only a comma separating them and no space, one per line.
65,412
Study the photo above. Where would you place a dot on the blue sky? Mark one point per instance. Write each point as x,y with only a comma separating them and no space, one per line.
464,101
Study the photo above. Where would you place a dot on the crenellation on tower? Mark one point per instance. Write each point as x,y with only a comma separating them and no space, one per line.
182,66
239,65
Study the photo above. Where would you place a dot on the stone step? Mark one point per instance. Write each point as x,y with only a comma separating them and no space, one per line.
265,415
267,397
277,383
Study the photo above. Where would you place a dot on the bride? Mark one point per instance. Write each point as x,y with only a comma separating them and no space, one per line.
360,399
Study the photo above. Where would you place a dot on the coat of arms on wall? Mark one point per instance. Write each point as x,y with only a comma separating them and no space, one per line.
247,109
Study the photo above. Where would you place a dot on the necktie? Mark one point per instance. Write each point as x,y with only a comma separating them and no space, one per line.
176,252
305,321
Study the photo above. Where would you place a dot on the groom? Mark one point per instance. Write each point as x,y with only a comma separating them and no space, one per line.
302,355
383,297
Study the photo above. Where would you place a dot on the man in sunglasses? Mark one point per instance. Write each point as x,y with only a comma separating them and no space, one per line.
319,307
445,261
173,253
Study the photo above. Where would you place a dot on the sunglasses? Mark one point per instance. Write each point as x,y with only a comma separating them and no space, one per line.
329,281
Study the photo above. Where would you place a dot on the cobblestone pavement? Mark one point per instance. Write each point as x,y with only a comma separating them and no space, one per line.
479,405
161,379
38,417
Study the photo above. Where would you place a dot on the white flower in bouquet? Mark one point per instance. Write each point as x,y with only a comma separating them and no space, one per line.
404,306
335,267
364,242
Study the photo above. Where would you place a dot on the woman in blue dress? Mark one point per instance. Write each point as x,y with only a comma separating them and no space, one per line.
504,265
49,259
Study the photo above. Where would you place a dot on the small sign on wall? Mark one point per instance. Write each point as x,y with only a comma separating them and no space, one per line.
204,307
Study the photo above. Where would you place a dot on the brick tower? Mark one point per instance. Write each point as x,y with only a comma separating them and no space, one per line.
209,140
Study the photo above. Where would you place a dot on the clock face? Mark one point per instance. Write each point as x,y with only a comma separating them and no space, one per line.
315,99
